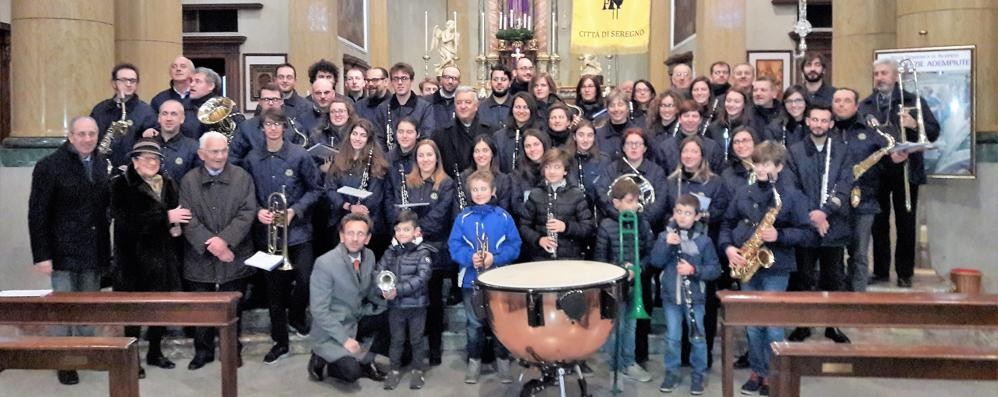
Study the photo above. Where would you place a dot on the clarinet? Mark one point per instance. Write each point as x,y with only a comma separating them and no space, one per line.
726,144
462,200
710,117
403,189
389,136
366,177
552,196
687,289
824,176
516,147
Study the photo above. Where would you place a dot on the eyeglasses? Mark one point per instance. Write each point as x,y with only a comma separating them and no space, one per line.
272,124
127,81
374,80
216,152
400,79
271,100
148,159
681,74
634,144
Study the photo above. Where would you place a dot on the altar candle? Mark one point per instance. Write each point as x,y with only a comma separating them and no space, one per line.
426,31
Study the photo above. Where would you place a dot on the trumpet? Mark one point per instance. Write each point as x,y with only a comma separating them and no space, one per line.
277,231
386,281
218,111
483,243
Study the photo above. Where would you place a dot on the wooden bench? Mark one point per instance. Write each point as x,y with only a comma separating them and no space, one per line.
847,309
793,360
118,356
200,309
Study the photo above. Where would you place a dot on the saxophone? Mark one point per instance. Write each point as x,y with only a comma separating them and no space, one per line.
753,250
860,168
118,128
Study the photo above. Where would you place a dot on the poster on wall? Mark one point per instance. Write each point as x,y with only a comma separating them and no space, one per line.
946,83
258,70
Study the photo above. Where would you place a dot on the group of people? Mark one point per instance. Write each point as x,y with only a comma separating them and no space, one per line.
451,184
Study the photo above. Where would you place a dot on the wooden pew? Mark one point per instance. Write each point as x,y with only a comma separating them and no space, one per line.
201,309
793,360
847,309
118,356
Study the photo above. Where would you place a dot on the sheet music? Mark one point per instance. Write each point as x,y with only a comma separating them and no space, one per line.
24,293
352,191
912,147
263,260
322,151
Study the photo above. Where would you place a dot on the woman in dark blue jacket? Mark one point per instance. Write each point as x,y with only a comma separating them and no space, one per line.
359,164
509,140
484,156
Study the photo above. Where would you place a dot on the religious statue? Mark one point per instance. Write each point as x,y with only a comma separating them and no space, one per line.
590,65
446,40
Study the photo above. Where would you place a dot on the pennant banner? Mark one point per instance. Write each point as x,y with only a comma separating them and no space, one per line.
610,26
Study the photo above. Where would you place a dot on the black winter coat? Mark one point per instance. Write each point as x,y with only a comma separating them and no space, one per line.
68,213
146,256
608,247
808,166
888,118
456,144
570,207
861,141
137,111
411,264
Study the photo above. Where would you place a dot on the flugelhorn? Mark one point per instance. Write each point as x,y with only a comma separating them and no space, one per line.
277,231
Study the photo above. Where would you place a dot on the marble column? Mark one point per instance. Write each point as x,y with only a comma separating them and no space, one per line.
147,33
720,33
860,27
378,45
62,52
658,48
957,22
313,35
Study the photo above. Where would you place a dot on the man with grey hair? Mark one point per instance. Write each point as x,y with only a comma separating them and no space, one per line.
442,101
180,72
67,219
222,200
884,104
205,85
456,141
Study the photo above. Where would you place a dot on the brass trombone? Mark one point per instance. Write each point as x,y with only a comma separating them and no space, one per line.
628,221
277,231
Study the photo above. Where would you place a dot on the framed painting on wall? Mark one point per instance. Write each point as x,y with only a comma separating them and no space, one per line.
352,16
946,83
258,69
683,22
777,65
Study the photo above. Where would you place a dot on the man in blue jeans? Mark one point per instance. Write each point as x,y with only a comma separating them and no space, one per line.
67,219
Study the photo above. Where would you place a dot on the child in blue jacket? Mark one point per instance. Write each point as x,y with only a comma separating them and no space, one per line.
482,222
684,249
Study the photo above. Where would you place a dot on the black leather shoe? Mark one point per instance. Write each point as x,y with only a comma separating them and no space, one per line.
435,360
836,335
878,280
371,371
160,361
799,334
742,362
68,377
300,328
199,361
316,368
142,373
904,282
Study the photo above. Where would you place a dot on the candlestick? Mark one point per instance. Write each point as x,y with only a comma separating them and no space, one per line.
483,33
528,22
426,31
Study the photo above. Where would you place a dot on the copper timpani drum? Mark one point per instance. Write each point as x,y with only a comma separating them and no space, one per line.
554,311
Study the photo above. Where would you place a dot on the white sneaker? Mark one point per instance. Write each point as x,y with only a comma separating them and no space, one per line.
636,373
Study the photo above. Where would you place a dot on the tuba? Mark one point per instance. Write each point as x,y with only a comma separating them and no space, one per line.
753,250
218,111
277,231
644,185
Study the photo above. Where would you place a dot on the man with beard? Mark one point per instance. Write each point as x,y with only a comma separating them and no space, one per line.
294,105
813,70
720,72
125,102
883,104
524,73
180,82
377,92
442,101
354,85
495,109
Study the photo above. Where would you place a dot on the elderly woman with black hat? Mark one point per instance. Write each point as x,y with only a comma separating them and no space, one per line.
147,218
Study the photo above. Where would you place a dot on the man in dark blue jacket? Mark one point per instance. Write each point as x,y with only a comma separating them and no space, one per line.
822,174
442,101
280,167
884,104
180,81
125,104
404,103
494,110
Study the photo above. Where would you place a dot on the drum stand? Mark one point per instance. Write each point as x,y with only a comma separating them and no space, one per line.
552,374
